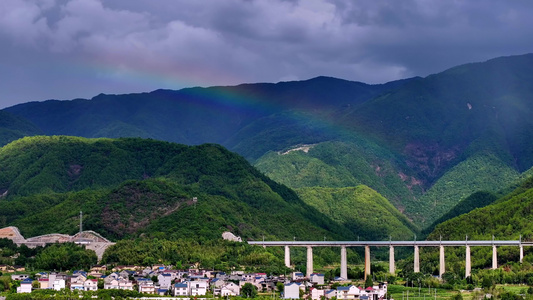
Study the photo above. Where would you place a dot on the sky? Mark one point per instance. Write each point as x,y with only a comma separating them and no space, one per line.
66,49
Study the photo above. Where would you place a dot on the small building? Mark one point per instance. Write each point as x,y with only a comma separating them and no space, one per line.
19,277
181,289
59,284
25,286
317,278
162,292
146,286
230,289
347,292
329,294
197,288
44,284
90,285
291,291
316,294
298,276
165,280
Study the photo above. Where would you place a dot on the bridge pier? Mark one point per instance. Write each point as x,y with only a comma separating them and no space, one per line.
494,257
392,266
309,261
367,261
521,253
442,266
468,263
416,267
287,257
344,263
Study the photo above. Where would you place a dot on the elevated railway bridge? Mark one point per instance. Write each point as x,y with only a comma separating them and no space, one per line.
392,244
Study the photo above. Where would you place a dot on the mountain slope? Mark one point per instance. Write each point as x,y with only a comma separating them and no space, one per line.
193,115
508,218
13,127
360,209
129,187
342,164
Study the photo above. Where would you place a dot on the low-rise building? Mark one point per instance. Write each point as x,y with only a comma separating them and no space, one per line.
146,286
316,294
25,286
90,285
44,284
348,292
197,288
317,278
230,289
181,289
291,291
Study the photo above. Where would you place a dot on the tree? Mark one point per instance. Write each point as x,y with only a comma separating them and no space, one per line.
249,290
368,282
486,283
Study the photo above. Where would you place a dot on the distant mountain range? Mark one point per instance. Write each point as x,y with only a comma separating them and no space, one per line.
423,143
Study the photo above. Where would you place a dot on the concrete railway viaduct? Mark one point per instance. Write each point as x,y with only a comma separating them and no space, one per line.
391,244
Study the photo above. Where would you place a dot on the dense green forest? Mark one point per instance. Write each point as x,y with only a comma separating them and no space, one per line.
344,164
506,218
362,210
128,187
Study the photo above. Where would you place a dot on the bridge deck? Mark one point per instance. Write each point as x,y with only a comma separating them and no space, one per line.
389,243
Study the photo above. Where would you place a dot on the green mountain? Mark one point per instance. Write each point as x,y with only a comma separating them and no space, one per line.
132,187
507,218
13,127
423,143
360,209
342,164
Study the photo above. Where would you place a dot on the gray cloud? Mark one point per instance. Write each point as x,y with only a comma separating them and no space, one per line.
78,48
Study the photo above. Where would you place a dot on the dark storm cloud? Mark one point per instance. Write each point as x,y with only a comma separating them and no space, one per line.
79,48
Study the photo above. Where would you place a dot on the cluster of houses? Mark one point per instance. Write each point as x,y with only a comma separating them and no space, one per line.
194,282
317,290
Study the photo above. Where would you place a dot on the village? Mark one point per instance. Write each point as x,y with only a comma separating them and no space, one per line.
165,281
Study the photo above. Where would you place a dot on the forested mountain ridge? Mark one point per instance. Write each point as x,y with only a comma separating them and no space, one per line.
423,143
203,115
128,187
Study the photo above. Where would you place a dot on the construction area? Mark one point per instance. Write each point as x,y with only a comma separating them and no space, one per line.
89,239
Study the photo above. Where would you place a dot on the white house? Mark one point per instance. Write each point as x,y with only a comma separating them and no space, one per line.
19,277
197,288
291,291
59,284
230,289
146,287
90,285
330,294
317,278
125,284
111,283
25,286
298,276
76,283
181,289
316,294
348,292
165,280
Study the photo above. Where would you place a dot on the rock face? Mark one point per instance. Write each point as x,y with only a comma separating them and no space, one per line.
231,237
11,233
